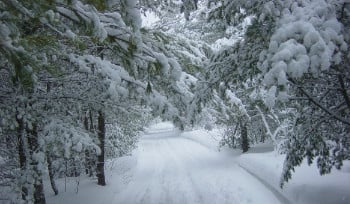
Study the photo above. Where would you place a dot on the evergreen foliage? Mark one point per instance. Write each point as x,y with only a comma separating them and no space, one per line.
76,74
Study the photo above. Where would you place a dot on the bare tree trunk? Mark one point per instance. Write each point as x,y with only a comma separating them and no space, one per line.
39,196
101,158
51,174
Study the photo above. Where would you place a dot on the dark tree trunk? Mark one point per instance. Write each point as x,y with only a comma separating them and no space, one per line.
88,167
88,154
76,168
244,137
86,123
91,122
232,142
51,174
86,126
21,152
39,196
263,136
182,127
101,158
233,137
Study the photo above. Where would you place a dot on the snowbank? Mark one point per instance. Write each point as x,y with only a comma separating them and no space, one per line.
75,190
159,127
209,139
306,186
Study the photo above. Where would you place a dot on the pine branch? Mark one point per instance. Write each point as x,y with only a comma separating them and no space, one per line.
344,91
322,107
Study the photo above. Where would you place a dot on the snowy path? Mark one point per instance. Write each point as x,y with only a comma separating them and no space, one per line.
172,169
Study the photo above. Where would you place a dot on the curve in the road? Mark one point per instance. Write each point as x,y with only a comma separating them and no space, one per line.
172,169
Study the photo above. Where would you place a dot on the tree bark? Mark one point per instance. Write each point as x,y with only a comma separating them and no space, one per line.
101,157
86,126
88,154
262,136
51,174
233,137
244,137
39,196
21,153
91,122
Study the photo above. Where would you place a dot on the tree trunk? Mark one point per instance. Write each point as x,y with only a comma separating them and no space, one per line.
51,174
262,136
244,137
233,136
101,158
88,156
39,196
76,169
21,153
91,122
86,126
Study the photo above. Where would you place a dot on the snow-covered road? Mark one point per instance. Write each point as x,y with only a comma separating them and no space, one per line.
173,169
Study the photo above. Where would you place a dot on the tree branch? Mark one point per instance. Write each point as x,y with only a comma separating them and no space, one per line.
344,91
318,104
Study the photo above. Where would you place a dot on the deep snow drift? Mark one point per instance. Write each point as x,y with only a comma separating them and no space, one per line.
173,167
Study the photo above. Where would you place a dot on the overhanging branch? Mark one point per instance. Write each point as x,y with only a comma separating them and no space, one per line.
318,104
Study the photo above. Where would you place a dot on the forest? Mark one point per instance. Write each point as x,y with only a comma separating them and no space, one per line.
82,79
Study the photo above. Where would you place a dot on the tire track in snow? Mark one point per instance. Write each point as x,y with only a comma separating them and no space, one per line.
175,170
185,172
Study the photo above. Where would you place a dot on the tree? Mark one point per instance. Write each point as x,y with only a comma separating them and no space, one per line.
310,71
292,58
231,78
106,68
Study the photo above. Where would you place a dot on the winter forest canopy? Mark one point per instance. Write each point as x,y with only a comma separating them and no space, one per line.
81,78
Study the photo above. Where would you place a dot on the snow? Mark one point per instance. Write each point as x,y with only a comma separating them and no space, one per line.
306,186
5,39
173,167
84,190
162,59
70,34
307,40
72,140
224,42
149,19
270,97
159,127
51,15
133,13
234,100
176,71
67,12
209,139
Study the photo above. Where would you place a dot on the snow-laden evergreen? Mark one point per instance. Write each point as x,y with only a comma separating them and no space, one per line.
79,81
